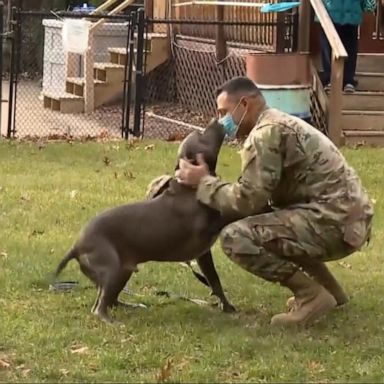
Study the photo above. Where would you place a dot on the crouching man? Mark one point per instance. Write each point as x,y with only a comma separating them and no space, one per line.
298,202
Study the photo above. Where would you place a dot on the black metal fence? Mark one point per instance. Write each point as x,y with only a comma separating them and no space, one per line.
47,85
147,79
179,94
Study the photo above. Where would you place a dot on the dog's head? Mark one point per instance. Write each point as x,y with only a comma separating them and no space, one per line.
207,143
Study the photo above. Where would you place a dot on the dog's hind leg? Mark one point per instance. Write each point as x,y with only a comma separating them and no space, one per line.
119,285
207,266
102,265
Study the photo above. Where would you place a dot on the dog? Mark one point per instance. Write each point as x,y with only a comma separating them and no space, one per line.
172,226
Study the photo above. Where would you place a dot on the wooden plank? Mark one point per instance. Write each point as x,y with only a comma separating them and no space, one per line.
159,9
304,25
336,100
224,3
103,7
89,87
119,8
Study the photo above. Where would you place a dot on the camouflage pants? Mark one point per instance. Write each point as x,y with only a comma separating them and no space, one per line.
274,245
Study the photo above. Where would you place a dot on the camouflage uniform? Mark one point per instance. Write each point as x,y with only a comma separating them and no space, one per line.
318,207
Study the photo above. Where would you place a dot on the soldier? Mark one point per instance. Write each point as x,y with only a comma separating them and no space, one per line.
298,203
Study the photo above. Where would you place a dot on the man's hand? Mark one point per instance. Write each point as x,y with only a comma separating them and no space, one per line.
190,174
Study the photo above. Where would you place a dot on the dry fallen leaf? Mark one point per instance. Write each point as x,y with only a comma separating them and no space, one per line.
103,134
345,265
149,147
64,371
129,175
165,372
73,194
374,201
79,350
25,197
4,364
315,367
4,255
26,372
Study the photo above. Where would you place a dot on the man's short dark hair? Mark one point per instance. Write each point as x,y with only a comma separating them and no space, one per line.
239,86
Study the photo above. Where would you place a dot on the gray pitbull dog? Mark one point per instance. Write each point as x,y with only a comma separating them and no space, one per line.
172,226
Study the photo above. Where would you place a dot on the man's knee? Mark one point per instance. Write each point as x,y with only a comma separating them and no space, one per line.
237,238
157,186
245,248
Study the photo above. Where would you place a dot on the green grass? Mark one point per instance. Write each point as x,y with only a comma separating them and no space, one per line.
47,194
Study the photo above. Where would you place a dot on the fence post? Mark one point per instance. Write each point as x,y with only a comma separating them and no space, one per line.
13,71
280,32
128,74
139,78
304,25
1,64
221,45
336,101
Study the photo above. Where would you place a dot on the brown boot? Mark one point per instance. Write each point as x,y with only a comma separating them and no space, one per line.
311,301
321,274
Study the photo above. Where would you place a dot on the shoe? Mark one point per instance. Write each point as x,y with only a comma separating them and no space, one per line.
327,88
311,302
349,88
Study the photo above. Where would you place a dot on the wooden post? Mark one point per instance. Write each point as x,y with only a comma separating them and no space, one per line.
89,86
148,6
304,25
221,45
72,63
176,14
280,32
336,101
159,12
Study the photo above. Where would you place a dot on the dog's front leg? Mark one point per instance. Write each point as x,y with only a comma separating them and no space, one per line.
207,266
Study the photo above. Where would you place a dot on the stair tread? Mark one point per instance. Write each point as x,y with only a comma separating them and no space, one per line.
370,74
81,80
104,65
370,54
61,95
362,112
365,93
363,133
155,35
122,50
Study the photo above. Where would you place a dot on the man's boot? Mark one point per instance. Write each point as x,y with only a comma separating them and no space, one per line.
320,273
311,301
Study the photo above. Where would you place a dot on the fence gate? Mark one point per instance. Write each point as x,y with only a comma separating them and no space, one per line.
58,95
5,38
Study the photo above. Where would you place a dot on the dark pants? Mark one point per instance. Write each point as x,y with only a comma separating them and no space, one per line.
348,36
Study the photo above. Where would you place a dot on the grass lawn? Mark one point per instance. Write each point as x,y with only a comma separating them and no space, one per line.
47,194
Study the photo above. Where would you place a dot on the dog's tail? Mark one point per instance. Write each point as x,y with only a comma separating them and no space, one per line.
73,253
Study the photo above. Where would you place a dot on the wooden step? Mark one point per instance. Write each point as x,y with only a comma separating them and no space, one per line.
108,72
367,138
369,101
363,120
63,102
75,85
370,81
370,62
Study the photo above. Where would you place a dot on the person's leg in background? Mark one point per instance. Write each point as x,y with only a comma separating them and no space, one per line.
349,37
325,59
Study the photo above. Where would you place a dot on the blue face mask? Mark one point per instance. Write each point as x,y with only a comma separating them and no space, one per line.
230,127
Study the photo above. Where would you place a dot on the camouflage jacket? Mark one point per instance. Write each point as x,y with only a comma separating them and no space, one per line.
287,163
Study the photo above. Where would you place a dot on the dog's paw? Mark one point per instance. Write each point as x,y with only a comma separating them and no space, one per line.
228,308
